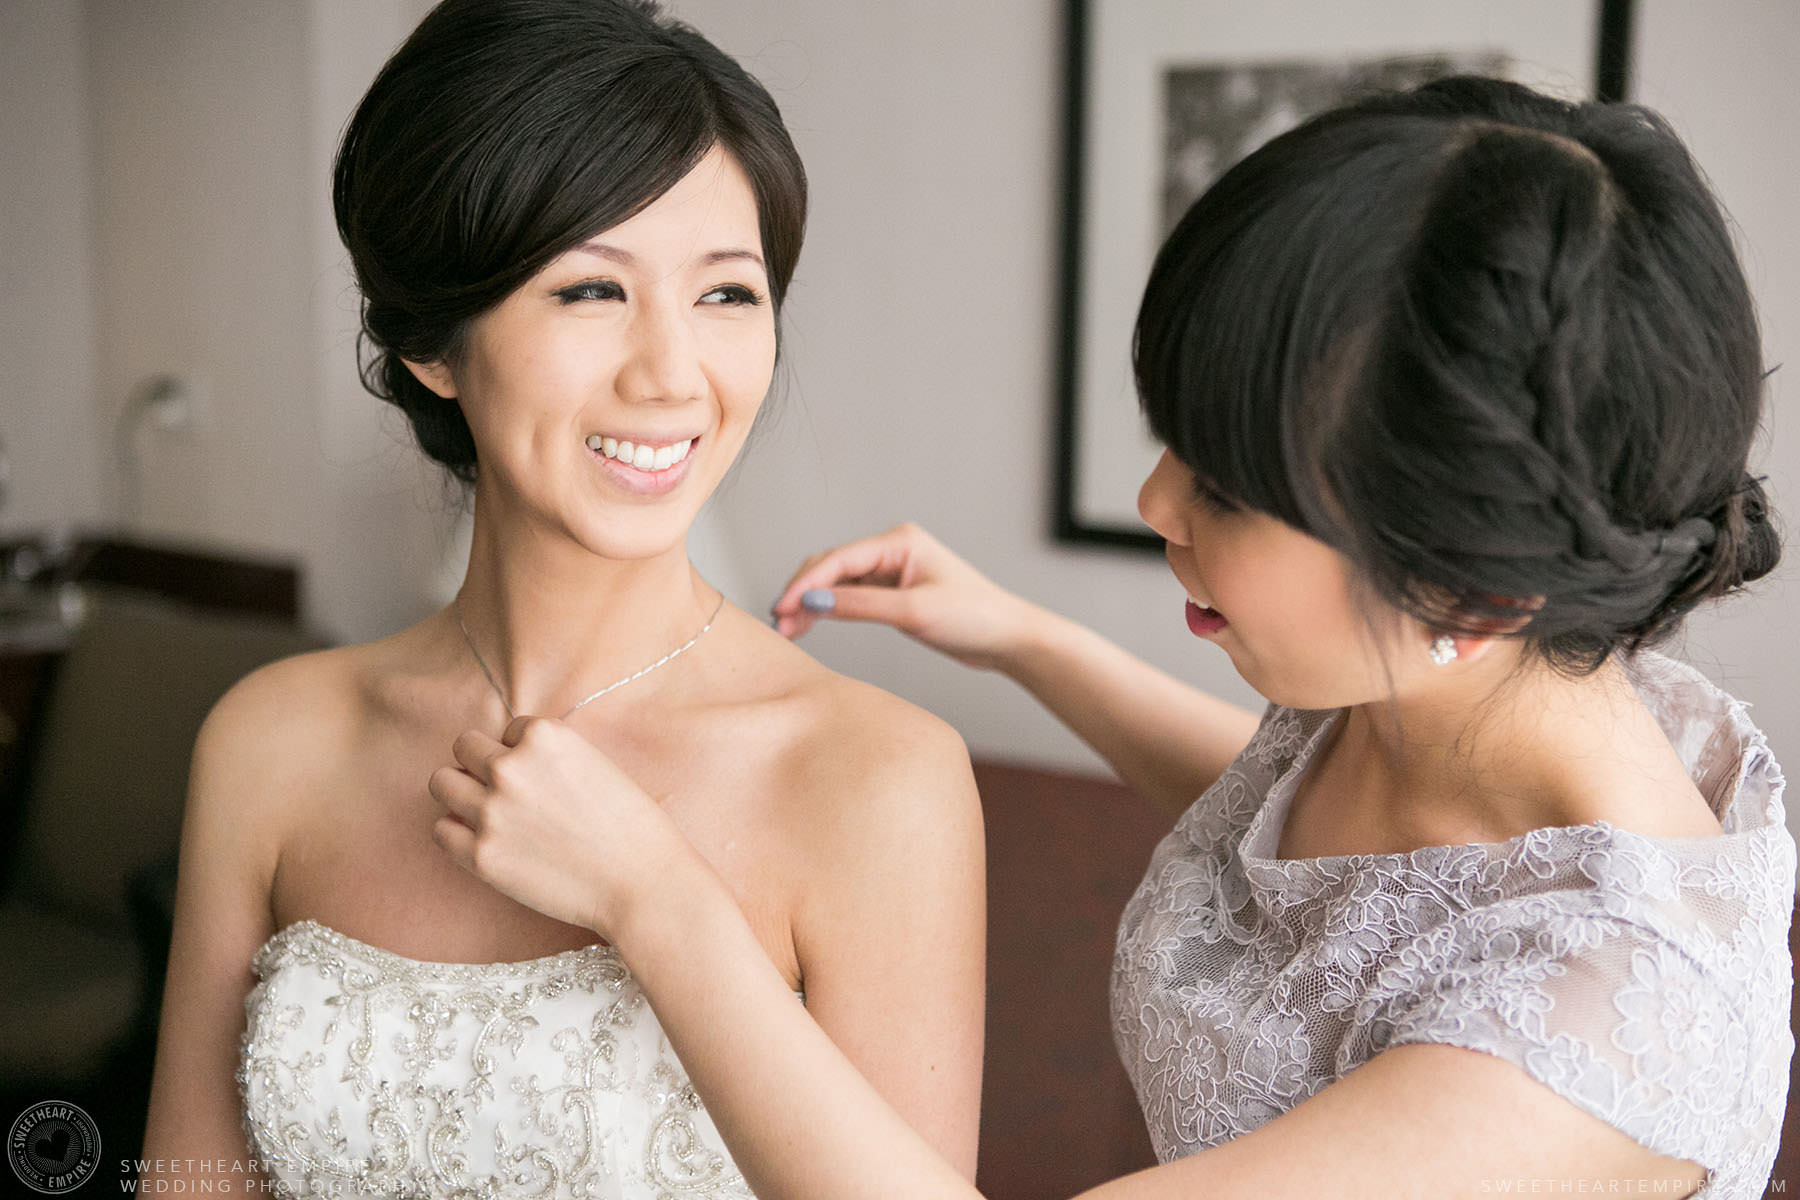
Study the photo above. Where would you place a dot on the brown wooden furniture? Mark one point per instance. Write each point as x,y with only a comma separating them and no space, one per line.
22,676
104,711
1064,855
201,577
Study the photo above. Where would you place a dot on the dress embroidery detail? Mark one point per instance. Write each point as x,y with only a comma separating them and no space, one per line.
366,1073
1645,979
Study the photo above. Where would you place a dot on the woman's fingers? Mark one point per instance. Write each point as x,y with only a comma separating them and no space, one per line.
457,839
475,753
518,728
898,607
889,606
553,824
879,559
460,793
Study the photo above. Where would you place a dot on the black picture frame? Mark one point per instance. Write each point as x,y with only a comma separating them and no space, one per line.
1612,64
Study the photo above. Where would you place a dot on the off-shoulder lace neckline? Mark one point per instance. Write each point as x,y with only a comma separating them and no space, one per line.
1270,822
1644,979
1649,671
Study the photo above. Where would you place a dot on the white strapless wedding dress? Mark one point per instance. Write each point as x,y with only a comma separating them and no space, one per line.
365,1073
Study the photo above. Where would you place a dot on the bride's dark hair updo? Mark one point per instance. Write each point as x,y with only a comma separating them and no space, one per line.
504,133
1490,345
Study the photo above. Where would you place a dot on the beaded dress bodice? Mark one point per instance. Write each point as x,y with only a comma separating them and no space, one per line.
366,1073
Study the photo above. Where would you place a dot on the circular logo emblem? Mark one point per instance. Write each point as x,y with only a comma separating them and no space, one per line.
54,1147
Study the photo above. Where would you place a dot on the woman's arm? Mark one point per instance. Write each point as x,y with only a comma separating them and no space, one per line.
803,1124
1164,738
194,1134
1417,1121
890,926
777,1087
885,845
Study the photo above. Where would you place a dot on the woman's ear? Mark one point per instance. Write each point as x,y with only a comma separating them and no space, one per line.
1485,632
434,375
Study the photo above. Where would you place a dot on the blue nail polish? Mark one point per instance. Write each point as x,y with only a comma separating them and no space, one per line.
818,600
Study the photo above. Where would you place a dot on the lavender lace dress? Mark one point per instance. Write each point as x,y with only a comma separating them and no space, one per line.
1645,979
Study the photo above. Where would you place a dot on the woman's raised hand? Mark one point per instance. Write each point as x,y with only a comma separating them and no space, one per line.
908,579
543,816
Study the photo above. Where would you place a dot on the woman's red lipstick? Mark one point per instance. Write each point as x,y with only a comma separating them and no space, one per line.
1204,621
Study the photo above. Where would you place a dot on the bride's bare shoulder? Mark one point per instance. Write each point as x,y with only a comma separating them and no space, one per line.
859,731
293,720
880,813
847,737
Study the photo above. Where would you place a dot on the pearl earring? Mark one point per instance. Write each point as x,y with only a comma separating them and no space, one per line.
1442,649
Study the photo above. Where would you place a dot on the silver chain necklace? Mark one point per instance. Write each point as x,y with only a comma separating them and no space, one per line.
456,604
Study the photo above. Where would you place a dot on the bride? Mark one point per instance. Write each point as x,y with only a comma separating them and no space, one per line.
573,223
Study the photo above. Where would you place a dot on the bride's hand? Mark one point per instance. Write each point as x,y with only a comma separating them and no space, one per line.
546,818
908,579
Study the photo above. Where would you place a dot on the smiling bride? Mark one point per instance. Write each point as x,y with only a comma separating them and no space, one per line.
573,223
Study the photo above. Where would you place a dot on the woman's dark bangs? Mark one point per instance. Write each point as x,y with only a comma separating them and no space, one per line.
594,163
1277,272
1224,356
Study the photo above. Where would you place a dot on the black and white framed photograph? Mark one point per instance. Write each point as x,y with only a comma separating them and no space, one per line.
1163,96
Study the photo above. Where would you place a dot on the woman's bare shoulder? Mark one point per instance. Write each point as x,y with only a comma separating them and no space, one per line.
855,751
882,817
879,738
286,703
287,729
836,728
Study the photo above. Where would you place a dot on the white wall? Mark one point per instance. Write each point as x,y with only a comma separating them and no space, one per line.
1723,74
203,256
213,127
921,336
48,420
922,323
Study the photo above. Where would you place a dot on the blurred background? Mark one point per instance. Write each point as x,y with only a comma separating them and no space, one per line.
192,472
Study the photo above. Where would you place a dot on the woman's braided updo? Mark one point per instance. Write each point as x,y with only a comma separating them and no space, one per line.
1495,347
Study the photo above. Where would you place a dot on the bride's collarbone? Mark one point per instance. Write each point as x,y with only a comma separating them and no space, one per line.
359,855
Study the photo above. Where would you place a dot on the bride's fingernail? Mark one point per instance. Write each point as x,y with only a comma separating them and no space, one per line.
818,600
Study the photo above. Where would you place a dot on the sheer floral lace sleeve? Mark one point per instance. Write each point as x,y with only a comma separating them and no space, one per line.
1647,980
